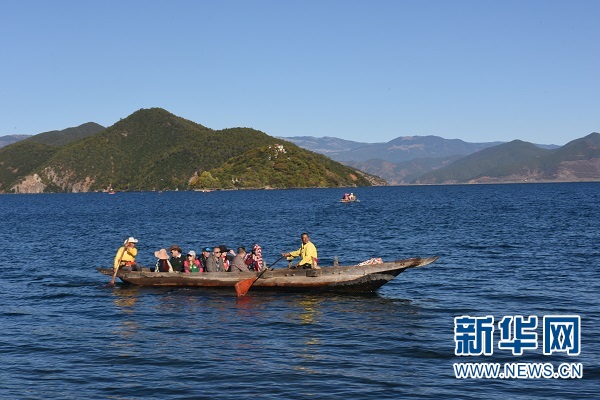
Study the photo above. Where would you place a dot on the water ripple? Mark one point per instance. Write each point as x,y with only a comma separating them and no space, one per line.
504,250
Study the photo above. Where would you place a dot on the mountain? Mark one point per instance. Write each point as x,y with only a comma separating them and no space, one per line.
66,136
153,149
56,138
10,139
402,173
330,146
399,161
25,156
403,148
519,161
285,166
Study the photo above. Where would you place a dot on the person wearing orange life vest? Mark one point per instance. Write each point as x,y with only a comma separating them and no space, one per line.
125,258
307,253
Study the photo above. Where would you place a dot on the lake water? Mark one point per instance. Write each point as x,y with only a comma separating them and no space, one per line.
505,250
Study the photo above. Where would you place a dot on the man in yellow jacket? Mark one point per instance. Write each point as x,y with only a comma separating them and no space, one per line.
125,258
307,253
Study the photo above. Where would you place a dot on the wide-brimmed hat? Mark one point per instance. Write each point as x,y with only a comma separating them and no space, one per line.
161,254
175,247
131,240
191,253
223,248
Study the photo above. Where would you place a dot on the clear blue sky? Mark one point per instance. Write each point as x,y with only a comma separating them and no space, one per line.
369,70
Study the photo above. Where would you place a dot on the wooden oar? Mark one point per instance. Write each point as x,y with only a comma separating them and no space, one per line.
112,282
242,287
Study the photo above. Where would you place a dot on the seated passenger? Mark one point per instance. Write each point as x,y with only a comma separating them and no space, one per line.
191,264
214,263
176,258
203,258
254,260
162,264
226,256
238,264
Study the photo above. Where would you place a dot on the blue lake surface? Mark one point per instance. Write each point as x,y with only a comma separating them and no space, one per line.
505,250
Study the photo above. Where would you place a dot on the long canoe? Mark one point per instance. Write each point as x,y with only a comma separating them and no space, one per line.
351,279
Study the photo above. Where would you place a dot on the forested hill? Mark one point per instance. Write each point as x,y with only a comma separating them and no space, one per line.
518,161
153,149
66,136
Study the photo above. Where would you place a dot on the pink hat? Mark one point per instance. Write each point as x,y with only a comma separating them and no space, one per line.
161,254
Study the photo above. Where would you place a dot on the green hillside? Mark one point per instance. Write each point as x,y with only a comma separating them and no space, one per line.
548,165
520,161
27,156
585,148
153,149
494,161
576,159
280,166
66,136
21,159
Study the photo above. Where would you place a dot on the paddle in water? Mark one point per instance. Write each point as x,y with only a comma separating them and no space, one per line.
242,287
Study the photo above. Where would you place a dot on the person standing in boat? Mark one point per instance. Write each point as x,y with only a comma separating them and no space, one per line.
307,253
125,258
176,258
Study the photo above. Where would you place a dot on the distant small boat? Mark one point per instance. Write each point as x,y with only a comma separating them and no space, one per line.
112,192
349,198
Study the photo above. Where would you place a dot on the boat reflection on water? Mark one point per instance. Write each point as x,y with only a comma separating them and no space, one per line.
129,329
126,297
310,310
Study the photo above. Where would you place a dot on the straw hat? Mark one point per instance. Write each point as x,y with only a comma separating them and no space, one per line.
161,254
131,240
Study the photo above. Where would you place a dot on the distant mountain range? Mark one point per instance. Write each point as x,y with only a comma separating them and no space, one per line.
10,139
153,149
434,160
404,148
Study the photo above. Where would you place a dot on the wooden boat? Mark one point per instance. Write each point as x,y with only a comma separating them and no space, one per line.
351,279
349,201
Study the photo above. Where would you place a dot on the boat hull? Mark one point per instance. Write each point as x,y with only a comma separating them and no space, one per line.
350,279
